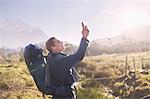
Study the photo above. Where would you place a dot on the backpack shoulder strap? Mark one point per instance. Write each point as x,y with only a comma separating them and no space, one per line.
48,77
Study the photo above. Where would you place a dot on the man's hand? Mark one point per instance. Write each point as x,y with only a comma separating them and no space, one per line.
85,31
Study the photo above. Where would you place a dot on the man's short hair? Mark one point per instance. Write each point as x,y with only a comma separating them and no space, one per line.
49,43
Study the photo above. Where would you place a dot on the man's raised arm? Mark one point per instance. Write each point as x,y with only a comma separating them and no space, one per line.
71,60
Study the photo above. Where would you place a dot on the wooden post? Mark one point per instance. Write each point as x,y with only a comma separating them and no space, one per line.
128,68
142,64
144,69
126,64
44,96
134,74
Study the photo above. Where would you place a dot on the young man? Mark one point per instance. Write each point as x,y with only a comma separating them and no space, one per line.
61,66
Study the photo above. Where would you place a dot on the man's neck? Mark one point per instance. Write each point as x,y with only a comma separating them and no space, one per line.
56,51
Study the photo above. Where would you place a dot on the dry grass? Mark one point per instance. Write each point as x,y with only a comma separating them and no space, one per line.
17,83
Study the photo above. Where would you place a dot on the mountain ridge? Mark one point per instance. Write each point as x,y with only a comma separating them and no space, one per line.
14,34
132,40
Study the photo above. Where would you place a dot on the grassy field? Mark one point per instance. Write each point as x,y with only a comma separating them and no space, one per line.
123,82
17,83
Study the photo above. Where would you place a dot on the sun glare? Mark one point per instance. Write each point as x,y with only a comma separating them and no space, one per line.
132,19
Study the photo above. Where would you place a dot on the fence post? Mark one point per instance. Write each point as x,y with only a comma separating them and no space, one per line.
142,63
44,96
126,64
134,73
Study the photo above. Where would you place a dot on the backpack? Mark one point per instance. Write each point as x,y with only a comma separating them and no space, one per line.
36,64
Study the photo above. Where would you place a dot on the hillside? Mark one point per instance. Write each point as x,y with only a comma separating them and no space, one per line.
140,33
20,34
132,40
14,34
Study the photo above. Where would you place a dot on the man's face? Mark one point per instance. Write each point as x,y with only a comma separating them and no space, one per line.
58,45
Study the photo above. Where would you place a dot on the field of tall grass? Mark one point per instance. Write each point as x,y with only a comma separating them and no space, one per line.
126,76
102,77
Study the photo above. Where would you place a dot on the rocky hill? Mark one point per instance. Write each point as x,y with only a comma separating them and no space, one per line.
14,34
132,40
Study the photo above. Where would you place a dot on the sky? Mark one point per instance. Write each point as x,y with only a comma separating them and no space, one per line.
62,18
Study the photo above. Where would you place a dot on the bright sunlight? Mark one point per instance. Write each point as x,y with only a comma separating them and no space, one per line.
135,18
